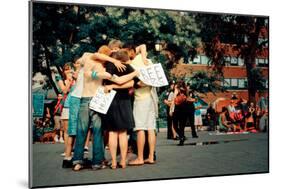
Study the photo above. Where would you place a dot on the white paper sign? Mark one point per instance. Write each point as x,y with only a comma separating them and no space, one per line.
153,75
101,101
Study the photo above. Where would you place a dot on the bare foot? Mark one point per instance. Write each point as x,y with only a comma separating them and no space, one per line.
136,162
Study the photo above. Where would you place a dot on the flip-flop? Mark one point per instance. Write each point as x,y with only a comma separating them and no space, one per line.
79,169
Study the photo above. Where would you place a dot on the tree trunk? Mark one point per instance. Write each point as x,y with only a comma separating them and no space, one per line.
49,72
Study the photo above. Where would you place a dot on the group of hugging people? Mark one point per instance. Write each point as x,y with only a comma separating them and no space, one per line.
115,67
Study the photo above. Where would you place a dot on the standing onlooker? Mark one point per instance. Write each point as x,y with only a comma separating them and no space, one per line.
190,112
180,110
197,114
211,118
57,114
251,117
65,85
171,132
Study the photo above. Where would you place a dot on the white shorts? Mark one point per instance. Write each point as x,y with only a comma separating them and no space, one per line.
198,120
144,114
65,114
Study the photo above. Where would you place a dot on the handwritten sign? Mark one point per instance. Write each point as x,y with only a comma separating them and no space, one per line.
38,104
101,101
153,75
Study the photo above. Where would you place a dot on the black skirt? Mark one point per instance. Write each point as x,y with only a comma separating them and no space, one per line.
119,116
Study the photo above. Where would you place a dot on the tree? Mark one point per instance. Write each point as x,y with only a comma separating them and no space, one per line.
244,31
62,32
204,82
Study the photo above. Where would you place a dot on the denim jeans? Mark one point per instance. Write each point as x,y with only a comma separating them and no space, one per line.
88,118
74,106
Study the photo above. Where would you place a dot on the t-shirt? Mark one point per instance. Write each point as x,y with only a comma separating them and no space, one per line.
142,92
197,111
110,68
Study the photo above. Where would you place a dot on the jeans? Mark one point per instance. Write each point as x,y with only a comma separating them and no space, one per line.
74,106
88,118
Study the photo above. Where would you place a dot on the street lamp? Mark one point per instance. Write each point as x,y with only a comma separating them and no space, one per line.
158,46
104,36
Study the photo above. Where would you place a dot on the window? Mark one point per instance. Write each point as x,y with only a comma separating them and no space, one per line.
234,61
242,83
204,59
235,83
227,60
261,61
196,60
227,83
240,61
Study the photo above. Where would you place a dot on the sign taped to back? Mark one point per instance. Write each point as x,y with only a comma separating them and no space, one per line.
101,101
153,75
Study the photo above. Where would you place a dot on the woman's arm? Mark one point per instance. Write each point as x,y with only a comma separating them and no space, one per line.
123,79
108,88
105,58
64,87
142,49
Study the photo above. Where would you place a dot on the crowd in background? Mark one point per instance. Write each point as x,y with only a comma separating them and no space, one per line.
184,108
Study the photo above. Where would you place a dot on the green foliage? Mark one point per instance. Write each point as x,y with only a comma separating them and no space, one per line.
204,82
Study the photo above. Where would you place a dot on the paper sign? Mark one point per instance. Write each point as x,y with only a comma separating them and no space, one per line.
101,101
153,75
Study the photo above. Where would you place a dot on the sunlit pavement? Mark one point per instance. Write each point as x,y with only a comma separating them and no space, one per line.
207,155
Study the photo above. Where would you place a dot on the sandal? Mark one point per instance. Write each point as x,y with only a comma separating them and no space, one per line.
77,167
113,166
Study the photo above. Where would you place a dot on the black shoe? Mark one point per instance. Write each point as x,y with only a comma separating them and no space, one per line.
176,138
181,142
195,136
67,163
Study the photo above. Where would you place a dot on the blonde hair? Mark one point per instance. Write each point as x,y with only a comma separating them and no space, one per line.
105,50
115,43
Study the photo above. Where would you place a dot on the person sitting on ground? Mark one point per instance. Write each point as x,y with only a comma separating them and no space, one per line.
224,124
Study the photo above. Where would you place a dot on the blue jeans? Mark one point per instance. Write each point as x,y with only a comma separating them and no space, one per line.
74,106
88,118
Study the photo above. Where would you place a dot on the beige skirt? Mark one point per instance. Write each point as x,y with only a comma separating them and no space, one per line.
65,114
144,114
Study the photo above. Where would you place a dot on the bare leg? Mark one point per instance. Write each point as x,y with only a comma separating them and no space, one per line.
123,143
151,143
65,127
140,145
113,147
174,131
69,145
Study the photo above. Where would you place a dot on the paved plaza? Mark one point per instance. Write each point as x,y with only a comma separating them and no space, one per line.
209,155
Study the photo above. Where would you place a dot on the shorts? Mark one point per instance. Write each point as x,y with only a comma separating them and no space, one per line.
64,114
144,114
73,115
57,120
198,120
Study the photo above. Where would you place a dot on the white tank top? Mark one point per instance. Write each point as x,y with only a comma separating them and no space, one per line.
78,90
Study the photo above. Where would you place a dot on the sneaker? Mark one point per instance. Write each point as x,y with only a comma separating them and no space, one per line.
98,167
86,150
56,138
